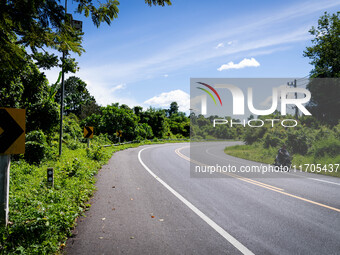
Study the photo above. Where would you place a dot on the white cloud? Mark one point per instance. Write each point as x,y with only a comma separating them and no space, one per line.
165,99
220,45
166,75
115,88
246,62
105,95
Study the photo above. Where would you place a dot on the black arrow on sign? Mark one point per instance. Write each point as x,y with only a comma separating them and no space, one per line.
12,130
89,132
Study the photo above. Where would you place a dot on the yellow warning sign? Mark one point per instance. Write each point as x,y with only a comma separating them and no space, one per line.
12,130
88,132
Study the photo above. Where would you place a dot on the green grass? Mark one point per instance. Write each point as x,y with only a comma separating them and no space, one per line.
252,152
257,153
41,218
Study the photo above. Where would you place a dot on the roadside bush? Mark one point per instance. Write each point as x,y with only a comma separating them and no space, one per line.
36,148
323,133
36,136
329,147
71,126
72,169
309,121
43,116
210,137
298,142
101,139
95,153
270,140
143,131
73,145
252,135
179,136
337,131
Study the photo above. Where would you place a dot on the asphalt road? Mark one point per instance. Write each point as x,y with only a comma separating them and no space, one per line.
150,201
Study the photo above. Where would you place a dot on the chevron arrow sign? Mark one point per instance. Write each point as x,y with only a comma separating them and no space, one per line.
88,132
12,131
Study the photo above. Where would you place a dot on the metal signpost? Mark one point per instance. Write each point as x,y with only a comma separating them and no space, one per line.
12,141
78,25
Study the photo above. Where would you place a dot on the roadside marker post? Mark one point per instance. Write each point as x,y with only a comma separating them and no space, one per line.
5,162
50,177
12,141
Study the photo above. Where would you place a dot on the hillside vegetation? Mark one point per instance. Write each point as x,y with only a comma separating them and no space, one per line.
309,143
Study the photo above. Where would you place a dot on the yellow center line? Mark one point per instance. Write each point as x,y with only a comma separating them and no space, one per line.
260,184
253,181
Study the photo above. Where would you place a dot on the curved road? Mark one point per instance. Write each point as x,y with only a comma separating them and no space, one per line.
150,201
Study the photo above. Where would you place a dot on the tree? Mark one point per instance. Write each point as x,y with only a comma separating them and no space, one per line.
113,118
138,110
325,104
325,56
251,117
88,109
325,52
76,95
173,109
180,124
156,119
143,131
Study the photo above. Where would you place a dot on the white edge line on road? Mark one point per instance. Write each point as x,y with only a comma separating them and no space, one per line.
210,222
314,179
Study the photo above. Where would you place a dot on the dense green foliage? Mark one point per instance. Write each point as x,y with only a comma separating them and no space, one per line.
36,147
325,57
29,89
202,128
308,144
324,52
325,103
137,124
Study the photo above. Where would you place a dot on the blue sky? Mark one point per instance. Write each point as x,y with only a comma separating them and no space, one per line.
148,55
